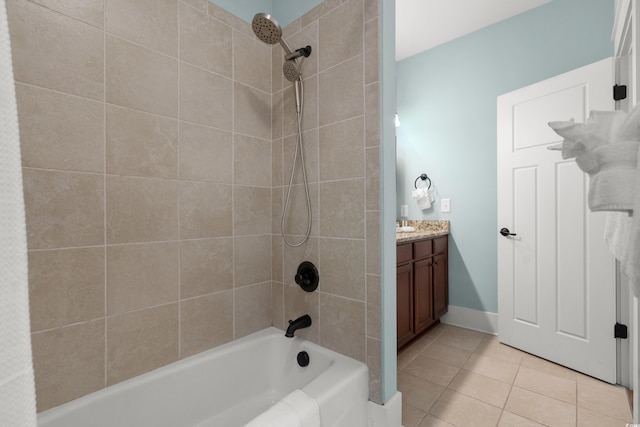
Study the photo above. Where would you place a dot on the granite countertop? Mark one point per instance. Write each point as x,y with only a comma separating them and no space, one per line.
428,228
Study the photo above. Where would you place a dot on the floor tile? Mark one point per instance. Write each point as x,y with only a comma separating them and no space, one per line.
411,416
492,347
463,339
447,354
588,418
548,385
432,370
603,398
431,421
486,389
532,362
462,411
541,408
418,392
509,419
494,368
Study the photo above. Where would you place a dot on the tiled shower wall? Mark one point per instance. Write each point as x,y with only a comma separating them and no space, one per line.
342,156
146,130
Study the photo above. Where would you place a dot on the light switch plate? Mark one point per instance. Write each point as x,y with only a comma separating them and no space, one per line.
445,205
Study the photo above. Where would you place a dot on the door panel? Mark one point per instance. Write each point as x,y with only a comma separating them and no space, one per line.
556,278
423,313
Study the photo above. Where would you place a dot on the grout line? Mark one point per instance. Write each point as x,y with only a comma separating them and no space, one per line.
104,187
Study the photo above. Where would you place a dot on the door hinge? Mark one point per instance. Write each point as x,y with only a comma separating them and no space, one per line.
620,331
619,92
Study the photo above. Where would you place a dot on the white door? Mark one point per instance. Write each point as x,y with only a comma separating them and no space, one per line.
556,278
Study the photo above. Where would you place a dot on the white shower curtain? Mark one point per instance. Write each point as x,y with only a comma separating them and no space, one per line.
17,392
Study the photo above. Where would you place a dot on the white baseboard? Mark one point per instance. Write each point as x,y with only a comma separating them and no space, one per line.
481,321
387,415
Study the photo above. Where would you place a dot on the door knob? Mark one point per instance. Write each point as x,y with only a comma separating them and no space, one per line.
505,232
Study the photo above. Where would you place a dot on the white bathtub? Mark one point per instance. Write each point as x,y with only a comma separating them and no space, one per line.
226,387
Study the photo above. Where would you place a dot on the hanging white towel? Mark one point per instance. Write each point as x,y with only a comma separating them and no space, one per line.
297,409
631,263
17,394
423,197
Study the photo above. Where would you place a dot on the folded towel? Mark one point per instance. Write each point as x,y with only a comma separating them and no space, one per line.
297,409
423,197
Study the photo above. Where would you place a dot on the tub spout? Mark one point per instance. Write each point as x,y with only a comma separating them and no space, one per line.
299,323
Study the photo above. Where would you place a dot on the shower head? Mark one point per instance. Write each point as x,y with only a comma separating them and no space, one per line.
266,28
291,70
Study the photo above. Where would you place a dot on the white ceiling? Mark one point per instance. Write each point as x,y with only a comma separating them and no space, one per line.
423,24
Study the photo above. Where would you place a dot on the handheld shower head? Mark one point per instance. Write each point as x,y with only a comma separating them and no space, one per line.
291,70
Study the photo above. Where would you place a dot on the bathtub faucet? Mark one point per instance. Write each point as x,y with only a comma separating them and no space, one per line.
299,323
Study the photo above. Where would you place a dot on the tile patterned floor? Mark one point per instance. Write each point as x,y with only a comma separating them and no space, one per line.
457,377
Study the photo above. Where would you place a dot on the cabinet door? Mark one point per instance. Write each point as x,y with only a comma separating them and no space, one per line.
404,303
440,285
423,306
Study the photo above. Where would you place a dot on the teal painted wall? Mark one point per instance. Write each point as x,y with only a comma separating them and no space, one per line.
446,100
284,11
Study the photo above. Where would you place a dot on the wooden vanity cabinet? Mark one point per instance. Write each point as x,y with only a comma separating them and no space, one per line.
422,285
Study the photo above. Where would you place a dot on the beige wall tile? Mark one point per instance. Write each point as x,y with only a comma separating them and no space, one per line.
205,322
340,34
459,409
89,11
298,303
63,209
141,276
252,310
141,144
66,286
204,41
251,210
373,179
141,78
141,209
342,265
277,170
229,18
342,208
277,305
542,409
335,312
205,210
318,11
205,266
372,115
251,61
310,141
205,98
309,107
342,150
341,92
54,51
151,23
371,9
307,36
374,362
206,154
374,254
374,302
68,362
276,115
252,108
277,259
251,161
59,131
140,341
371,52
297,219
251,260
200,5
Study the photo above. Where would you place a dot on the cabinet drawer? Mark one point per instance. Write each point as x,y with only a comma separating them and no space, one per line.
440,245
404,253
422,249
